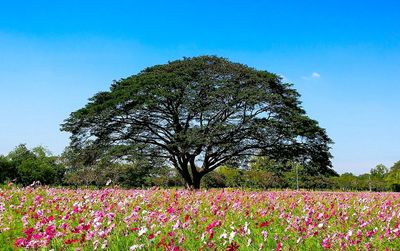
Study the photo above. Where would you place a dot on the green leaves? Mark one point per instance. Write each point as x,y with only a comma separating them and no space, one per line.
27,166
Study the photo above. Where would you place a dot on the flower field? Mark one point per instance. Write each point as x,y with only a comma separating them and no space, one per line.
113,219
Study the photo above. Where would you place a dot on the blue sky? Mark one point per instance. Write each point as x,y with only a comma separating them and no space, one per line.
342,56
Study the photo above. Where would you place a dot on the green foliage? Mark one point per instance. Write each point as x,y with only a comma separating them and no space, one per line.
214,180
393,179
27,166
86,170
379,179
346,181
264,179
165,177
379,172
317,182
7,169
267,164
396,166
233,176
32,170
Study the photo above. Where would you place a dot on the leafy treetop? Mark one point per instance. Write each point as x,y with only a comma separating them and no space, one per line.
200,113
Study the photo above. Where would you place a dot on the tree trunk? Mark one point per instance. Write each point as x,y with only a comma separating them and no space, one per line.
192,179
188,181
196,180
196,175
183,171
193,182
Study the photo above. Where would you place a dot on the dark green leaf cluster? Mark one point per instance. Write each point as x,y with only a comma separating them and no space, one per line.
25,166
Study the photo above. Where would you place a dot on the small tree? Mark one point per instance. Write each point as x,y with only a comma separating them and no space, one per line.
198,114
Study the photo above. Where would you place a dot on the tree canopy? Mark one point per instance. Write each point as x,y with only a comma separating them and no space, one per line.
26,166
198,114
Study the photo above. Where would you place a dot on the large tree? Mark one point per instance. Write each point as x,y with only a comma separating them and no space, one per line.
200,113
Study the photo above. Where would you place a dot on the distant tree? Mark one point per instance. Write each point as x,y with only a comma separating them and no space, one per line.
267,164
264,179
379,171
214,180
364,182
35,165
87,168
393,177
316,182
347,181
234,177
20,154
377,178
7,169
102,174
200,113
396,166
166,177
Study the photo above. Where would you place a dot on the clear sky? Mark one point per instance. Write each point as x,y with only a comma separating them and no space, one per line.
342,56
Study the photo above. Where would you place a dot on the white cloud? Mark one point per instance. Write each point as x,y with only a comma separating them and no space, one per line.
314,75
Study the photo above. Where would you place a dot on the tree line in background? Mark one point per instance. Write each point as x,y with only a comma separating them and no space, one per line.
26,166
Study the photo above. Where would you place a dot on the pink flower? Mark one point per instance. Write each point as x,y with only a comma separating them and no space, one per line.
232,247
213,225
20,242
279,246
326,244
170,210
50,232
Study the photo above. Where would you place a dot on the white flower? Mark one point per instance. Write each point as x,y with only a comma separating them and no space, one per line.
136,247
232,236
246,228
142,231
